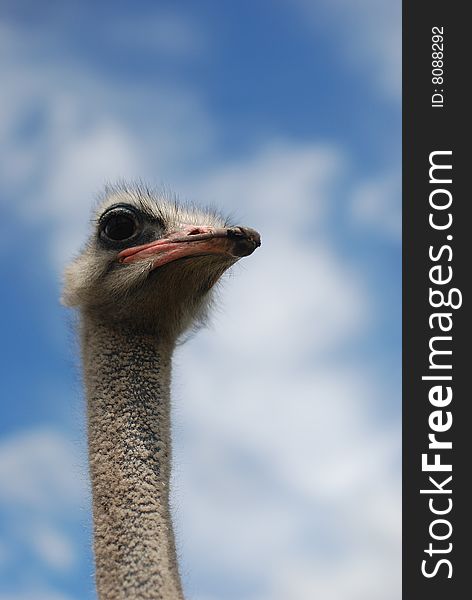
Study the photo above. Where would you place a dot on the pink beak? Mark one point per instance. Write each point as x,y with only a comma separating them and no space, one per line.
233,242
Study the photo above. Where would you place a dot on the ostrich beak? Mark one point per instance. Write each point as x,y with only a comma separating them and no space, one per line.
232,242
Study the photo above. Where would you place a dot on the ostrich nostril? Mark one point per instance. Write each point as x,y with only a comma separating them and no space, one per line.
245,233
235,232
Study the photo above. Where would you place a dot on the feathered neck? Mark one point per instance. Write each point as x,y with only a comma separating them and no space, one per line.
127,379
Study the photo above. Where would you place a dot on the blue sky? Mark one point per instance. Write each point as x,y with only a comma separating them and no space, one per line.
286,114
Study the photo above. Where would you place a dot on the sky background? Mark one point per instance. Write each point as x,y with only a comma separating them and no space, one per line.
286,115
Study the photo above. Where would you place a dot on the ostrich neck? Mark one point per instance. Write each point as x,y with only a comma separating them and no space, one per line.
127,377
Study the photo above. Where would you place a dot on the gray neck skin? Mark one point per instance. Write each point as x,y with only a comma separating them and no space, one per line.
127,378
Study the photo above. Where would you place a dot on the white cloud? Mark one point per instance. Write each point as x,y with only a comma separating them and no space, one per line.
43,492
37,472
369,36
53,547
281,456
377,204
283,185
282,466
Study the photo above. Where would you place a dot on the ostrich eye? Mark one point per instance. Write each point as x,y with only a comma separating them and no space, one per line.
119,227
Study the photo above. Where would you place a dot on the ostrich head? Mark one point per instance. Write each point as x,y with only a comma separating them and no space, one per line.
152,263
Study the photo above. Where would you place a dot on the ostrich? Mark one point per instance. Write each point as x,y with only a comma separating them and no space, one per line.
144,278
